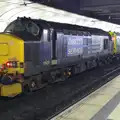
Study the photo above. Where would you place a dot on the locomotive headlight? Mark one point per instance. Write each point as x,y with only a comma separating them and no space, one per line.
113,38
21,65
11,64
8,64
14,64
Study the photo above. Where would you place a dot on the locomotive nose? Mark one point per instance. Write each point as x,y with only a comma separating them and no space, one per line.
3,49
11,51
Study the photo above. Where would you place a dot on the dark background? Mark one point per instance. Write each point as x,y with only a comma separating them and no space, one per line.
108,10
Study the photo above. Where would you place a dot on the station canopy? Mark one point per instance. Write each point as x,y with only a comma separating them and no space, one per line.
11,9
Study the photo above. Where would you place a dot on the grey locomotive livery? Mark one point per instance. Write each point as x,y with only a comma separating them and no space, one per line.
55,51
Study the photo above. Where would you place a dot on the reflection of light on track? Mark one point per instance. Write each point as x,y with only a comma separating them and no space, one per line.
68,110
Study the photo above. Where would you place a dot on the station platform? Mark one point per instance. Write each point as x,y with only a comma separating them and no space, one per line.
103,104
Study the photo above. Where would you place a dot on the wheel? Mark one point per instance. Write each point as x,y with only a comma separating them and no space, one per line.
38,81
32,84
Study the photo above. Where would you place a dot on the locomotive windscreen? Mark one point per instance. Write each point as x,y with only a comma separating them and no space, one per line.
23,26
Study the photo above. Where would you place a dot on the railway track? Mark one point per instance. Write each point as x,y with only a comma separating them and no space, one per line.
87,89
51,100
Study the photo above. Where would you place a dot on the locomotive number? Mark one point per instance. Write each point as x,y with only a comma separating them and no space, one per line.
74,51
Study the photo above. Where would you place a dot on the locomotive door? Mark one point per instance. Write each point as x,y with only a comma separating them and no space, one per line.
45,48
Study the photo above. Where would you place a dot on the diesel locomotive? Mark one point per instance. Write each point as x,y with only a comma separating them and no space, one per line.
34,53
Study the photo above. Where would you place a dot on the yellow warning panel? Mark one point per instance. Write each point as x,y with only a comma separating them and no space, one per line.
11,90
3,49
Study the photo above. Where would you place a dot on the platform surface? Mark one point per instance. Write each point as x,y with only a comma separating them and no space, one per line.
103,104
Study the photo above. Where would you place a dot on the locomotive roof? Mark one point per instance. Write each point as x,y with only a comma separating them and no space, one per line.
62,26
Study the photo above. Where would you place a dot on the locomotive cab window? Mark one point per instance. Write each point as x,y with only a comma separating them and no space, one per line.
32,28
23,26
105,44
15,26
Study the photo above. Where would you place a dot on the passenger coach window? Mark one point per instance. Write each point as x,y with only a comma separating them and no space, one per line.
105,43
